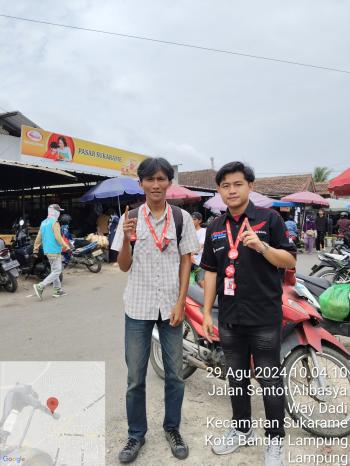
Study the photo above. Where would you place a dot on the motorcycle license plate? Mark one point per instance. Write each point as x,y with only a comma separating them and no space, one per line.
97,253
10,265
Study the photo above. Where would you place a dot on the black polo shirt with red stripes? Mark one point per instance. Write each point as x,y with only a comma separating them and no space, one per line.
258,296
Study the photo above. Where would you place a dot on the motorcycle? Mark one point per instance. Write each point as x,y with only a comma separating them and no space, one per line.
22,250
84,253
342,245
16,400
308,352
332,267
311,288
9,271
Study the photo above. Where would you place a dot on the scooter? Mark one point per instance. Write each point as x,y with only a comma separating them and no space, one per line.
311,288
22,250
342,245
311,358
332,267
84,253
9,269
18,398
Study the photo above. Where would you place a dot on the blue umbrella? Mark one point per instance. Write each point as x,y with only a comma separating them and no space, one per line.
113,187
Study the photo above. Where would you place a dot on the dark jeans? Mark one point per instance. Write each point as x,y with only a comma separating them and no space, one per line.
320,240
264,344
138,336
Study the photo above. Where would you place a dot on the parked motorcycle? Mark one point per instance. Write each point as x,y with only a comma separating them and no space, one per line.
22,250
9,269
84,253
342,245
311,288
310,357
332,267
16,400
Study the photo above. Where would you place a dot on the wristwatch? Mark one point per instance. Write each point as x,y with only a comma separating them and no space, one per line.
266,248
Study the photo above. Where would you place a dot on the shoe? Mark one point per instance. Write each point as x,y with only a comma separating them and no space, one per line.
38,290
179,448
274,452
232,440
129,453
58,293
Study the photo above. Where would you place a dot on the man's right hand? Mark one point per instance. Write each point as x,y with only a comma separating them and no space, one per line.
207,327
129,225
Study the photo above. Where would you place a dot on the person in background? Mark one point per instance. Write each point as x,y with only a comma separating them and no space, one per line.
321,228
309,233
49,236
343,224
196,258
292,227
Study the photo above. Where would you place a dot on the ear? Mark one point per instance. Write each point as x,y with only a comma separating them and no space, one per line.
251,186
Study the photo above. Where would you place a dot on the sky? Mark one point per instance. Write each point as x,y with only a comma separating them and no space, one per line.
185,104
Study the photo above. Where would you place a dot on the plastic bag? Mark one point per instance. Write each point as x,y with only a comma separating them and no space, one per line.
335,302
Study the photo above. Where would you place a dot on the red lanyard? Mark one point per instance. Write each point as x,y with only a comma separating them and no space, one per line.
233,252
159,242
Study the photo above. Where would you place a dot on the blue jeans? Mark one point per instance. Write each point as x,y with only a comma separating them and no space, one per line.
138,336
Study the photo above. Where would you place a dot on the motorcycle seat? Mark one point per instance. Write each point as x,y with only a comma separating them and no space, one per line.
196,293
319,282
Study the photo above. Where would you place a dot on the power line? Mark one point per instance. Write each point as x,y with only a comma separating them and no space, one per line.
179,44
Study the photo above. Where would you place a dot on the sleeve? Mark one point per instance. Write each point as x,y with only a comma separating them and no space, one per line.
189,242
208,261
279,236
57,232
119,236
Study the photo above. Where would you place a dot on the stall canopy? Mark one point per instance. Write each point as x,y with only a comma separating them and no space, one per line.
307,198
283,204
180,192
216,204
338,205
113,187
340,185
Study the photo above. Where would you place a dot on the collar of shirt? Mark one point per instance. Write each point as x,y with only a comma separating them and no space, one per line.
249,212
149,212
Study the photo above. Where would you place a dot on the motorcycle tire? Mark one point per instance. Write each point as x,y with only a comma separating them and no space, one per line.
298,416
94,265
327,274
157,363
12,284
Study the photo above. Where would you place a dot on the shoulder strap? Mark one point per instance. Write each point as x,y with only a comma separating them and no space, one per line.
179,221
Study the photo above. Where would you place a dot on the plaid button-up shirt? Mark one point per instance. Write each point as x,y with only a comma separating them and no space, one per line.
153,281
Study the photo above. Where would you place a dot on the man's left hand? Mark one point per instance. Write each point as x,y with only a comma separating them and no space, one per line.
177,315
251,239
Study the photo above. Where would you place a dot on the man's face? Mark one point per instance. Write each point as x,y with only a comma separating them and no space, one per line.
156,186
321,213
196,222
234,189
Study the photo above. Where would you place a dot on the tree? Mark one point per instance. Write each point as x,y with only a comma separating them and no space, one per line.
321,174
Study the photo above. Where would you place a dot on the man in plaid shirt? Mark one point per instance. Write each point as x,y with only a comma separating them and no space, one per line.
155,293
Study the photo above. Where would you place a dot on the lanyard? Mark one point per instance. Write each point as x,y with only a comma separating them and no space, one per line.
159,241
233,252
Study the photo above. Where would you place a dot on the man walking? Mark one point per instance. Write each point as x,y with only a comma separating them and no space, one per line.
49,236
321,228
243,251
197,219
155,243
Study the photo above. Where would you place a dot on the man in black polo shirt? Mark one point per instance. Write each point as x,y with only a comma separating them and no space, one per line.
243,252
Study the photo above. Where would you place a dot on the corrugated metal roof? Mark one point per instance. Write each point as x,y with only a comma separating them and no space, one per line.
12,122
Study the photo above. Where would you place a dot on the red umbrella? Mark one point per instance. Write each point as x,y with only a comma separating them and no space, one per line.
179,192
305,197
340,185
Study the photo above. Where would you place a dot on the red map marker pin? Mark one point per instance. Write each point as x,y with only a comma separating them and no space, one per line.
52,404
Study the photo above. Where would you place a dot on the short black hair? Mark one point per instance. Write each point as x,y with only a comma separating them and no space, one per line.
54,145
234,167
152,165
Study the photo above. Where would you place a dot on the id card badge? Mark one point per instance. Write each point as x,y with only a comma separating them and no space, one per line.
229,289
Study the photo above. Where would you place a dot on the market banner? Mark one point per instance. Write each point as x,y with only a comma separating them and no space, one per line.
47,149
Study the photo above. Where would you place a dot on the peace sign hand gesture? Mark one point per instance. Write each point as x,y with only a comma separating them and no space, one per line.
251,239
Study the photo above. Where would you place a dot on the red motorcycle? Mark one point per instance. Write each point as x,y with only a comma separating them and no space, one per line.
315,366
